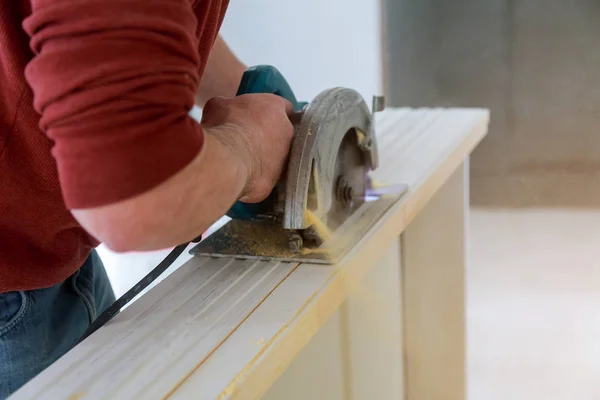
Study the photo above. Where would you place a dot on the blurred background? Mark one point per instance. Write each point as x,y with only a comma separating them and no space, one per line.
534,63
534,276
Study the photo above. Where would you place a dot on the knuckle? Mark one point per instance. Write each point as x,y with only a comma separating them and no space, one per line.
213,103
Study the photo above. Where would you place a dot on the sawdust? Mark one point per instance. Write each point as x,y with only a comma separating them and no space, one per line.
322,230
308,250
360,135
250,237
375,184
312,220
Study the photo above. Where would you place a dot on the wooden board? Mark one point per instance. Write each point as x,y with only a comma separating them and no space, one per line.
219,329
433,289
357,354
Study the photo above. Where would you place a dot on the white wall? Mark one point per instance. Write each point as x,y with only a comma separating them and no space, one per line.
316,44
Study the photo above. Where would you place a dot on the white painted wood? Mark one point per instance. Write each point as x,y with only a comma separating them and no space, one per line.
217,329
319,370
433,269
375,344
357,354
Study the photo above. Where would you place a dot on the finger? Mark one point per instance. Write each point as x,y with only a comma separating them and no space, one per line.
289,108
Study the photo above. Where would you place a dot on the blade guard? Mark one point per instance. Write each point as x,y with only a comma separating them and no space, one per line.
317,138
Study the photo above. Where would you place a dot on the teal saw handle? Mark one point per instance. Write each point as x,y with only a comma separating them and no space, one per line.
262,79
268,79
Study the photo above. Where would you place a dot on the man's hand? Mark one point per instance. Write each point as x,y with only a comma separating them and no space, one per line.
257,131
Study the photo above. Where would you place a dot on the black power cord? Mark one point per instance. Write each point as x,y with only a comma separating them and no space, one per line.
116,307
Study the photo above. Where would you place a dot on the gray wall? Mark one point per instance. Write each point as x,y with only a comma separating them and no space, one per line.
534,63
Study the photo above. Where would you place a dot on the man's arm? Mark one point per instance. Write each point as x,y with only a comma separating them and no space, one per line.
222,75
175,211
114,81
242,157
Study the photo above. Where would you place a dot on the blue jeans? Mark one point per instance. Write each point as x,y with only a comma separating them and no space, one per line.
39,326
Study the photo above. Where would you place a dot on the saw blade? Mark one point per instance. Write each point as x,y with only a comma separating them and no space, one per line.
349,181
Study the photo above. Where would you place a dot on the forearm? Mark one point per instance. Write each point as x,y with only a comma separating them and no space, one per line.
133,166
177,210
222,75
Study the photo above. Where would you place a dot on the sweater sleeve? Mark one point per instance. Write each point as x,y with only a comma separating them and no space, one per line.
114,81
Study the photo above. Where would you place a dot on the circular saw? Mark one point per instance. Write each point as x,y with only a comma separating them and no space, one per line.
321,206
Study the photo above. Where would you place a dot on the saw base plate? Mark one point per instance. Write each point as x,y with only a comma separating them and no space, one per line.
262,241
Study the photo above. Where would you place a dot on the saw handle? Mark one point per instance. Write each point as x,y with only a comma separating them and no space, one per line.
263,79
268,79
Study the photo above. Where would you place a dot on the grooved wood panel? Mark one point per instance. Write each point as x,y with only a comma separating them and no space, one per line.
146,351
219,329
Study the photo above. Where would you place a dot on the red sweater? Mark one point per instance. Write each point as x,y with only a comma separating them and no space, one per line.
94,101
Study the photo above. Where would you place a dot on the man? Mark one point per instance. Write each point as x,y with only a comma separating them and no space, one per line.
96,145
